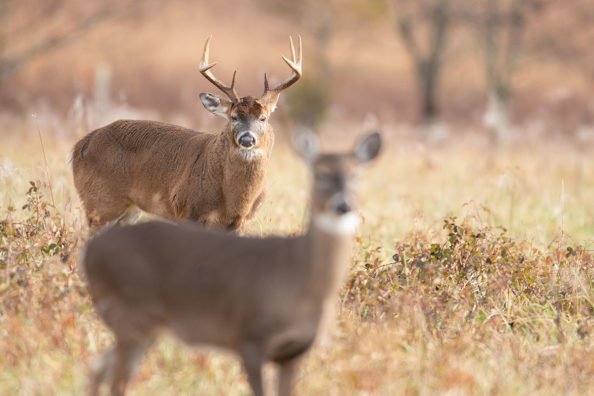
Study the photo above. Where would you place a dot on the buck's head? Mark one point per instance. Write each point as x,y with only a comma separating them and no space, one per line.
333,202
247,116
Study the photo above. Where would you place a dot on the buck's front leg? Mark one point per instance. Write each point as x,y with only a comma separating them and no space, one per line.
236,225
237,214
256,205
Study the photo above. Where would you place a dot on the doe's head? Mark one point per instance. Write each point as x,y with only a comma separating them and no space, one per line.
334,173
247,116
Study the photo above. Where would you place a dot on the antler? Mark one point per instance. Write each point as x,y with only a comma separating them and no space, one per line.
294,64
204,68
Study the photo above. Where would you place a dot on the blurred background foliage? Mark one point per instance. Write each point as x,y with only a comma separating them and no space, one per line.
486,63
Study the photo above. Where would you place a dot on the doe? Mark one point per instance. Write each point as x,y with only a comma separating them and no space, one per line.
262,298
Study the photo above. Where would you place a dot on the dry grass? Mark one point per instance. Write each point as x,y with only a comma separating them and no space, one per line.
433,304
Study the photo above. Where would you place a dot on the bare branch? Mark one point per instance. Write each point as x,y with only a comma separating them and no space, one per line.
404,26
9,65
435,17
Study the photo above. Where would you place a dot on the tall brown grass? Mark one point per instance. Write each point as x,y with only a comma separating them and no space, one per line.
473,274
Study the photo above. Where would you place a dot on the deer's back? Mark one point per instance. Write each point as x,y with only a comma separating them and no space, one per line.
184,271
131,144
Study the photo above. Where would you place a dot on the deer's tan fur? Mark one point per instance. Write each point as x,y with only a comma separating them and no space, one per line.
178,173
170,171
263,298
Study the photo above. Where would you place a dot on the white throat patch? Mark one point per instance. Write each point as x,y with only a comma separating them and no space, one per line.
249,155
338,225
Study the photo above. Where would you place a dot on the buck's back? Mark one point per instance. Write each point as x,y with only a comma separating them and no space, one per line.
124,138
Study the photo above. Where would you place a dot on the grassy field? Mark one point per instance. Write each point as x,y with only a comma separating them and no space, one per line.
473,274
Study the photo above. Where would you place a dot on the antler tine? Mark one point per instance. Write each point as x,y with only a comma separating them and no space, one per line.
294,63
265,83
205,67
292,47
300,50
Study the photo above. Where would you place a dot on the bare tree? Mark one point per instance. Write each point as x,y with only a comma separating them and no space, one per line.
423,26
503,24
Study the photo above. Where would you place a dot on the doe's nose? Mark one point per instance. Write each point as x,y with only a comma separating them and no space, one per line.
343,208
247,140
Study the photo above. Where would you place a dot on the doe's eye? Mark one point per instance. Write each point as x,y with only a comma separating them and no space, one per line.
263,118
234,118
324,178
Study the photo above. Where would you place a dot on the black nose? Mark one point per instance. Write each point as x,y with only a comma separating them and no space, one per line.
247,140
343,208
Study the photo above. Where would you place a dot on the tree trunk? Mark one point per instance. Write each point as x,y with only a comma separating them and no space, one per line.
496,117
428,87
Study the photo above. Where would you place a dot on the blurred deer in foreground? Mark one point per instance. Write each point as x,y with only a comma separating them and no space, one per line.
262,298
178,173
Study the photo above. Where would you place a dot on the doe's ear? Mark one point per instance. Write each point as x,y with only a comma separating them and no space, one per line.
215,104
306,144
369,147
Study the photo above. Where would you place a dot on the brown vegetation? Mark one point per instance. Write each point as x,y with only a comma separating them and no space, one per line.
433,303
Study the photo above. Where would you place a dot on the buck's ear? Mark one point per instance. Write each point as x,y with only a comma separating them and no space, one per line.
215,104
306,144
269,102
368,148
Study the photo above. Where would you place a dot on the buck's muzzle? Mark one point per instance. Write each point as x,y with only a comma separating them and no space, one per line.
247,140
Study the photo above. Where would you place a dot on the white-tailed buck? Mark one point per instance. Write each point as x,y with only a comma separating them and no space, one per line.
262,298
178,173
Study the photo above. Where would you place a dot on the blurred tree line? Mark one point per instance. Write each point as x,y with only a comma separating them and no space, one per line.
425,26
498,26
499,29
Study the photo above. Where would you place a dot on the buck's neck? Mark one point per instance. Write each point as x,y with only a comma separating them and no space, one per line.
329,243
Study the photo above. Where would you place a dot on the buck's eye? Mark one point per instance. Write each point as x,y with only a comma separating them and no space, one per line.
263,118
234,118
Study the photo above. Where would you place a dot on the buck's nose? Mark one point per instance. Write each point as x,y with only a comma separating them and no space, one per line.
247,140
343,208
